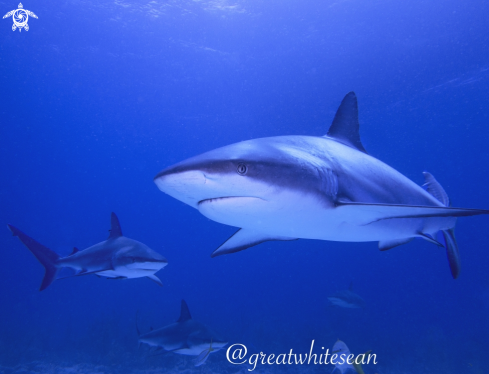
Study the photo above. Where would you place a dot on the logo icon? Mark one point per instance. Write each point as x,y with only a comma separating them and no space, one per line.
20,17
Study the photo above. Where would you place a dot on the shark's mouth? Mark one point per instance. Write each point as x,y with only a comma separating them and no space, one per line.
229,199
232,210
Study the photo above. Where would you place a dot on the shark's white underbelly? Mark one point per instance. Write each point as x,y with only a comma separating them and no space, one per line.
308,218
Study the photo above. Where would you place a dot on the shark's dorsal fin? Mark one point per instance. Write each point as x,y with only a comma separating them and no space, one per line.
435,189
184,313
115,227
345,127
74,251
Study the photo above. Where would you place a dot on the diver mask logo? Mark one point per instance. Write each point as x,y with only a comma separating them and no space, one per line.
20,17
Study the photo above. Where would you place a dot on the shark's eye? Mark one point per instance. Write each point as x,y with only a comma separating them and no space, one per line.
242,169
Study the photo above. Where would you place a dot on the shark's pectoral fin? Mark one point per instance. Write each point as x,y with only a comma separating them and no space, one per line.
367,213
243,239
385,245
155,279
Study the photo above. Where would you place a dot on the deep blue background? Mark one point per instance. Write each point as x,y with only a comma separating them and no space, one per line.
97,97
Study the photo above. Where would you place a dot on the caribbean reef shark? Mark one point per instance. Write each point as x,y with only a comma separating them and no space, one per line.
328,188
117,257
347,299
186,336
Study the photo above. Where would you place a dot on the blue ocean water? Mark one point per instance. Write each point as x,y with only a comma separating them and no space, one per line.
99,96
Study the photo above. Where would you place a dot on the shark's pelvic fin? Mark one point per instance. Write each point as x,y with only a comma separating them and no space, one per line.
445,237
115,227
184,313
155,279
435,189
385,245
243,239
45,256
345,127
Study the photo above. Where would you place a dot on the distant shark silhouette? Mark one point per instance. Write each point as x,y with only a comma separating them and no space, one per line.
347,299
328,188
117,257
186,336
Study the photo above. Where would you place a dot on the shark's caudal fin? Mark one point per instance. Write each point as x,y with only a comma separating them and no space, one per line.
184,313
115,227
46,257
345,127
243,239
445,237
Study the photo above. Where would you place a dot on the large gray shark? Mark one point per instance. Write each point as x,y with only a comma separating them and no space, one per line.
186,336
328,188
117,257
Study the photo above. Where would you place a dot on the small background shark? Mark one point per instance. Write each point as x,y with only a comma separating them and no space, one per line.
347,299
186,336
327,188
117,257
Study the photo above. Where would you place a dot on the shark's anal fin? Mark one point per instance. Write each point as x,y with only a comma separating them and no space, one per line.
243,239
385,245
345,127
115,227
184,313
155,279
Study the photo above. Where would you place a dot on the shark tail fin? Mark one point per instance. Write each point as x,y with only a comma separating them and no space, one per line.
44,255
444,237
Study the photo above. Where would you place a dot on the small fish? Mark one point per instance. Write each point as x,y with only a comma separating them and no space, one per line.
202,358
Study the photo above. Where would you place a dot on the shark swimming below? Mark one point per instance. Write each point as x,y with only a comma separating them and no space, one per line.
117,257
186,336
347,299
328,188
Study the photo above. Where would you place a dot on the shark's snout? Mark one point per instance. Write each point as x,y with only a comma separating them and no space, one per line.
187,186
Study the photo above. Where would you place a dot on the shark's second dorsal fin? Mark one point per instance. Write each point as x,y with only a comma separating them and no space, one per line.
345,127
74,251
184,313
115,227
435,189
